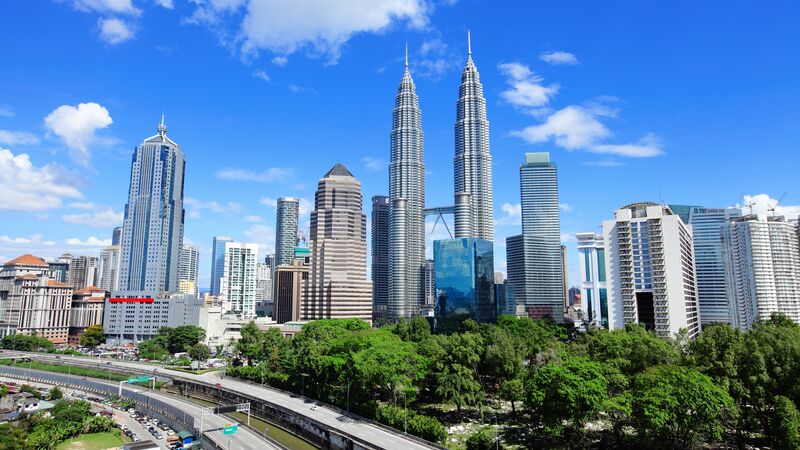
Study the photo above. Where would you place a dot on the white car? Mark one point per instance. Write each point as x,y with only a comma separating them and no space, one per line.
315,407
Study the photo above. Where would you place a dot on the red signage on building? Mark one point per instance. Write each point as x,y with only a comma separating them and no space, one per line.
131,300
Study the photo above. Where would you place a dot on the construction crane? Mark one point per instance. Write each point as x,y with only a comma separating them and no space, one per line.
772,208
748,205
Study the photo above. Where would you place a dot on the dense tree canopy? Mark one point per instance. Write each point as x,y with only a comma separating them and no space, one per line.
93,336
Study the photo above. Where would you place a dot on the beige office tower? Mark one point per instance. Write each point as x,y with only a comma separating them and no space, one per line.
338,286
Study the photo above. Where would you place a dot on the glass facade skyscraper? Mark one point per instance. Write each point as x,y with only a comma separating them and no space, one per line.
712,292
380,258
152,232
218,262
287,216
594,287
464,271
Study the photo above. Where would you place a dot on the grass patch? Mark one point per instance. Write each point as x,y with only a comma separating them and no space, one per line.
77,371
94,441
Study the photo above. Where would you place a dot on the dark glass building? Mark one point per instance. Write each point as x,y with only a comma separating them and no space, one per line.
464,271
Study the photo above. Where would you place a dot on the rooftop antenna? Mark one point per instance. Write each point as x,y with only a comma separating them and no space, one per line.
406,54
469,44
772,208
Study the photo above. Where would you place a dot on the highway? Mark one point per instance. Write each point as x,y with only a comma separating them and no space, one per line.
331,418
243,439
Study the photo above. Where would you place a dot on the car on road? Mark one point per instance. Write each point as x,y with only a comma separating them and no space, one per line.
314,407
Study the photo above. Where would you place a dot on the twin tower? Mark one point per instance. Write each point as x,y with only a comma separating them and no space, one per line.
472,165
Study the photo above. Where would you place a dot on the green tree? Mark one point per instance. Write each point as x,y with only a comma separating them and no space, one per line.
93,336
456,383
672,405
12,437
785,424
26,343
182,338
56,393
249,345
571,391
631,350
481,440
151,349
199,352
513,391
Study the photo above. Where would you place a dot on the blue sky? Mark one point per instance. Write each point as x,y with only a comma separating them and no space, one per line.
685,102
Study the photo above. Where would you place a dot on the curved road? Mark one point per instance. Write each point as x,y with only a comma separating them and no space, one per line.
331,418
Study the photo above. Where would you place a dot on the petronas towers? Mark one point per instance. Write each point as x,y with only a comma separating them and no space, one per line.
473,185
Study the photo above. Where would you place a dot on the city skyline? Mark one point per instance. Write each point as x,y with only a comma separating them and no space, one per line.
82,195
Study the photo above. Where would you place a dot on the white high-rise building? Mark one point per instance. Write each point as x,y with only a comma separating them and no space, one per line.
474,210
152,232
84,272
762,265
109,268
712,288
187,270
238,283
338,286
651,270
263,282
594,290
406,204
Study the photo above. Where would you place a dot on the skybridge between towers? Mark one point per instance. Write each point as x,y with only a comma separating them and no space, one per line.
439,212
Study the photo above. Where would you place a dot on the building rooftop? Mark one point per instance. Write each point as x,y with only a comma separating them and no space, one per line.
338,170
54,283
89,290
27,260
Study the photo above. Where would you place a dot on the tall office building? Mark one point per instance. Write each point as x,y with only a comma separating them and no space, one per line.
187,270
238,283
464,278
565,275
289,291
650,270
407,200
474,212
712,289
109,268
152,232
515,268
116,236
287,217
338,286
84,272
593,287
264,275
762,263
218,262
542,291
430,283
380,258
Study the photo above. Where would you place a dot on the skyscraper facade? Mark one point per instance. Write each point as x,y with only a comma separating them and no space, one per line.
218,262
152,232
407,202
762,264
109,268
116,236
380,258
287,216
187,270
464,278
712,290
84,272
338,286
650,270
238,283
543,293
593,287
474,214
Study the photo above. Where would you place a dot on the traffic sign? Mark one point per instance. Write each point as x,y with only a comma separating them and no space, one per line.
144,379
230,429
132,380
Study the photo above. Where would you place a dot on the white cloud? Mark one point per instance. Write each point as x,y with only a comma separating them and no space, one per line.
165,4
559,58
297,89
280,61
374,164
195,207
565,207
115,31
107,6
5,111
304,208
567,237
34,239
17,138
269,175
646,147
253,219
91,241
264,236
103,218
573,127
435,46
762,203
513,214
77,127
268,201
322,27
604,163
526,88
261,75
24,187
83,205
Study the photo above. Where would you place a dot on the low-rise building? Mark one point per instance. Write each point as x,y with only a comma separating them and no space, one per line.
86,310
134,316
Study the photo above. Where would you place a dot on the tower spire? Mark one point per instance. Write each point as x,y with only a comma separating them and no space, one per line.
406,54
162,129
469,45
